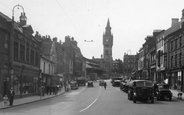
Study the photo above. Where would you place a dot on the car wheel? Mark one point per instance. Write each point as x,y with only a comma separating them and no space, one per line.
158,98
152,100
134,99
128,96
170,98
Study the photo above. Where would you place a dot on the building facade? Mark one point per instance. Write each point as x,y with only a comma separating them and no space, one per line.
22,55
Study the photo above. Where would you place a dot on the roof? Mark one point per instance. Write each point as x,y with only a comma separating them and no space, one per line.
172,29
5,17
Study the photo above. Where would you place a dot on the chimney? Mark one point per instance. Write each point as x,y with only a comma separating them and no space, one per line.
182,18
55,39
23,19
67,38
174,21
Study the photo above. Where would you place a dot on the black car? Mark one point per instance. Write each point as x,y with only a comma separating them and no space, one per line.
140,90
163,92
116,83
90,83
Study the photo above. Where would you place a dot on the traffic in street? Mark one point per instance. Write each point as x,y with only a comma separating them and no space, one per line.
96,101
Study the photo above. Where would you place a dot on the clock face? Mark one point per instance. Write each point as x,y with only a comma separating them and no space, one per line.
107,40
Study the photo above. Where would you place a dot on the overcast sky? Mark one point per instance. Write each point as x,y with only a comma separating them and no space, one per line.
131,21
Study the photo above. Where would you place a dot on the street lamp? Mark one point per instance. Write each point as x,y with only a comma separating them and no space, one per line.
11,46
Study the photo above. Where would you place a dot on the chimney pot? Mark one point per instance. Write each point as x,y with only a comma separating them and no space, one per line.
174,21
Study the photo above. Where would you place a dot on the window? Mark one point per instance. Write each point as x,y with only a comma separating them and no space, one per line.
22,52
176,44
32,56
106,52
27,52
171,45
171,61
44,67
180,38
15,50
176,60
180,58
36,59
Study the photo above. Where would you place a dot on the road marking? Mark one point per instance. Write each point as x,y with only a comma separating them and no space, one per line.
92,102
89,105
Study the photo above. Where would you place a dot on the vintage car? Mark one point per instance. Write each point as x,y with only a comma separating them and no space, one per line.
163,92
101,82
116,83
74,85
140,90
90,83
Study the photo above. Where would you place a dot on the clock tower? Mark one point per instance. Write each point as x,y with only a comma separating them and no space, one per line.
107,43
107,46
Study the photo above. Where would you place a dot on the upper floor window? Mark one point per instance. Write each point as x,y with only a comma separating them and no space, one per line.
176,45
171,45
32,57
16,50
171,61
180,38
22,52
176,60
36,59
27,52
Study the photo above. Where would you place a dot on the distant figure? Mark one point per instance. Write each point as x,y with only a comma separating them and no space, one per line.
11,96
105,85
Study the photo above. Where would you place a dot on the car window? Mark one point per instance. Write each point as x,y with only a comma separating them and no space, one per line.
143,83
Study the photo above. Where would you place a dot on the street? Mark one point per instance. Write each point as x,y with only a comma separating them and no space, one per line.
96,101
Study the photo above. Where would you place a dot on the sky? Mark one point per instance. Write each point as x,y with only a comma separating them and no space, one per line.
131,21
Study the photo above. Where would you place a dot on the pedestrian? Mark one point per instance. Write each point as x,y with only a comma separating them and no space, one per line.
11,96
5,100
105,85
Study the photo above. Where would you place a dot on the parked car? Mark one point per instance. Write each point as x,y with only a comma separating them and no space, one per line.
116,83
90,83
81,81
163,92
74,85
140,90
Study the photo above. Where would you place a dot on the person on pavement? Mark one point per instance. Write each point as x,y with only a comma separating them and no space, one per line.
11,96
105,85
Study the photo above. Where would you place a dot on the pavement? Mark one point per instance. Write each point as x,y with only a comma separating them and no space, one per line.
30,99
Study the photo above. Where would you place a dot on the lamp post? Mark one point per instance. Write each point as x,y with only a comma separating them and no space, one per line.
11,45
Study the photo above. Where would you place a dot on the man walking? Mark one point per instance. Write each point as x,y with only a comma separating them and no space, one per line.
105,85
11,96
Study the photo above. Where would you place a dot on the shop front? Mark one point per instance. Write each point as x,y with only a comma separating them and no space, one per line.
25,80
